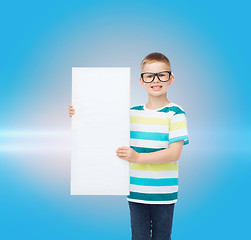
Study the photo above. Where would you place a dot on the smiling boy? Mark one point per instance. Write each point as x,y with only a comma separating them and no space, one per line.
158,131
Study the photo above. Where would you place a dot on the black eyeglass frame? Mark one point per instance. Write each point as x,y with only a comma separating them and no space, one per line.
155,74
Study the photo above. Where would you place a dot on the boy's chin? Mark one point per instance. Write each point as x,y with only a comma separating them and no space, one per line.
156,94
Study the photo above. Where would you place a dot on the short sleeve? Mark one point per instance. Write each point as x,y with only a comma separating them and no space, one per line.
178,128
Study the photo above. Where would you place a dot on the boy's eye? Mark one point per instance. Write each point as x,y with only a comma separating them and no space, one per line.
148,75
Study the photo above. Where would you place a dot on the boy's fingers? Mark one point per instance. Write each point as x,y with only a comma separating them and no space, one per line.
123,154
123,151
121,148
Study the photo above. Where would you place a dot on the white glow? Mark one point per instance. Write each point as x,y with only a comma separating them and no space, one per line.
35,141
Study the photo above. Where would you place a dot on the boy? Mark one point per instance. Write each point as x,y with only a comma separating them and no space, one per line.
158,131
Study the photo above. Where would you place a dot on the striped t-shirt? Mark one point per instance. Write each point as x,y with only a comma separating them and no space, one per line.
151,131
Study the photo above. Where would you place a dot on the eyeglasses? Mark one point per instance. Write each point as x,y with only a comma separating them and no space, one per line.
163,76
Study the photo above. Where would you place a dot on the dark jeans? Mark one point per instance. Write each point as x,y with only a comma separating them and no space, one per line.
151,221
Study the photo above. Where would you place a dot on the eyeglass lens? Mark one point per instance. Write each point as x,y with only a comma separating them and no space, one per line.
148,77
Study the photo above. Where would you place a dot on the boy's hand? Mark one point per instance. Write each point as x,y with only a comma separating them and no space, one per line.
128,154
71,110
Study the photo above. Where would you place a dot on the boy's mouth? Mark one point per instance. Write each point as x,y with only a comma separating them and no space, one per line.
156,87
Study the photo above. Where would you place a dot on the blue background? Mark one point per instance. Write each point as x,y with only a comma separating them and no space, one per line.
208,44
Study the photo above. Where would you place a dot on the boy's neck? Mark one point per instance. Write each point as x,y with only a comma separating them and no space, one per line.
156,102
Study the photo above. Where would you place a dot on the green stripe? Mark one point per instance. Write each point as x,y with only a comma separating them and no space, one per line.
175,109
145,150
154,167
156,136
178,125
153,197
154,181
178,139
139,107
150,120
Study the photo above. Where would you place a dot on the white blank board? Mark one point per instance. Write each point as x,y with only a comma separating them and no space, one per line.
101,124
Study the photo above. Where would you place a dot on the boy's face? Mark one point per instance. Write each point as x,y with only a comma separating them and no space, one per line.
156,67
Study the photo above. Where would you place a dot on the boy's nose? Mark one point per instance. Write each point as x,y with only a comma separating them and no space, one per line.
155,78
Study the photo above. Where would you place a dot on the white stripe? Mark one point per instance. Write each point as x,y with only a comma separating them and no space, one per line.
151,202
178,118
153,189
142,113
153,174
148,143
149,128
178,133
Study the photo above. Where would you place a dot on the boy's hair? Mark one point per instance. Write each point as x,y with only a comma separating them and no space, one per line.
155,57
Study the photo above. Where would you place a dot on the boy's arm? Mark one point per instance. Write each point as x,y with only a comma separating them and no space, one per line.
171,154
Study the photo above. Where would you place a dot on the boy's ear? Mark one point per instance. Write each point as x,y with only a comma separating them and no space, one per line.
141,81
171,79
